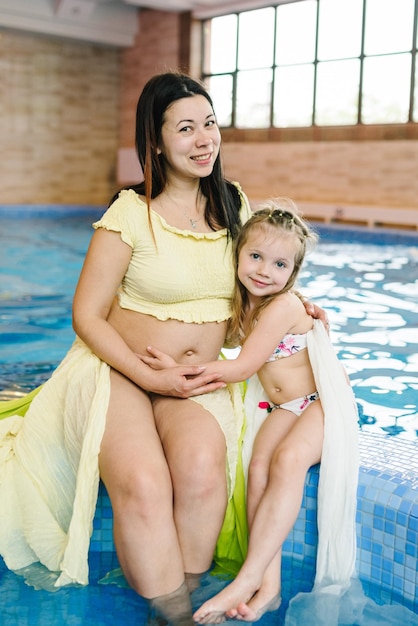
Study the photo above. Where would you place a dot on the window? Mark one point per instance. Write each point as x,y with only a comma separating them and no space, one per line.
314,63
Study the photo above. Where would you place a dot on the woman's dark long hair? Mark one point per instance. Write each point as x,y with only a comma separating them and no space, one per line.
222,197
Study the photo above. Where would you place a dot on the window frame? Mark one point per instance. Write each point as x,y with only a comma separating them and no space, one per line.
315,132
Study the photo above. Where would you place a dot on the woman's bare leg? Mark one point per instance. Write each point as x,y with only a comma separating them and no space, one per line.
276,513
134,470
195,448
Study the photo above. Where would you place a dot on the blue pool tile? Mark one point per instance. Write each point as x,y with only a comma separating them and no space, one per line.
311,527
405,506
311,491
411,563
379,510
410,588
377,548
394,502
299,536
401,518
311,514
366,531
368,505
387,565
401,490
389,540
360,491
397,583
378,537
413,520
410,574
366,544
411,550
375,573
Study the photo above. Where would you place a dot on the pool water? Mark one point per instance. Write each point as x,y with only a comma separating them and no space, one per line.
366,280
101,604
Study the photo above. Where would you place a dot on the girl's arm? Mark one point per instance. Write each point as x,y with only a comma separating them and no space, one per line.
105,265
272,325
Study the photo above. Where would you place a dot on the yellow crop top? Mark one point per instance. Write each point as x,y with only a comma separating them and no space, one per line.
188,277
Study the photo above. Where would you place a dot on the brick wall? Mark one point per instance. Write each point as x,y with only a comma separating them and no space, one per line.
156,50
59,103
370,173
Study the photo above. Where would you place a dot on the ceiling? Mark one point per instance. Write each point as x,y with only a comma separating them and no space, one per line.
111,22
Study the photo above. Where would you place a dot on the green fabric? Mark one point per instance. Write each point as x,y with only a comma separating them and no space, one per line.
18,406
231,547
232,544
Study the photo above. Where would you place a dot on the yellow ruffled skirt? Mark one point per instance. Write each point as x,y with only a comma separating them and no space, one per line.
49,474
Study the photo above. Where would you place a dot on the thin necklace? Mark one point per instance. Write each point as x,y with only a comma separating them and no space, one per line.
192,221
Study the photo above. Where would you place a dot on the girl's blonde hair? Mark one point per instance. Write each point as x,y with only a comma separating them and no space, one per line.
280,214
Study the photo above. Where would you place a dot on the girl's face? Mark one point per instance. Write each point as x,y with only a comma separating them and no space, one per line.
190,138
266,261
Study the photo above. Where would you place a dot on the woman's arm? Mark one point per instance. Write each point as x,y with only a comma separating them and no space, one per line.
272,325
105,265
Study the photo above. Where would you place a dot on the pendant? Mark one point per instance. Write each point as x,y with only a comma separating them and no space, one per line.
192,222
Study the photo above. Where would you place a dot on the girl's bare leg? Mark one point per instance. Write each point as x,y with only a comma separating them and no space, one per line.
134,469
276,513
268,439
195,448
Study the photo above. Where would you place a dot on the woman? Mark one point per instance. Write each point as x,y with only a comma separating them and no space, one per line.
158,271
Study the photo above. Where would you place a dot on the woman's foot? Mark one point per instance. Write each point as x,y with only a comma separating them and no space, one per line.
173,608
255,608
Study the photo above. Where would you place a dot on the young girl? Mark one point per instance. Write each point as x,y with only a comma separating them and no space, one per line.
278,341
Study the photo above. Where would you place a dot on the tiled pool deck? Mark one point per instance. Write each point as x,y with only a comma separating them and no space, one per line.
387,519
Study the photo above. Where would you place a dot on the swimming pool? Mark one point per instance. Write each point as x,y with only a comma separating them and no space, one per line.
367,281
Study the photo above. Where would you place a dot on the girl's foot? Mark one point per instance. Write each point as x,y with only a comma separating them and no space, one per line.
255,608
216,609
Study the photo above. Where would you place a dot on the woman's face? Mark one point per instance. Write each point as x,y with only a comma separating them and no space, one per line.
190,138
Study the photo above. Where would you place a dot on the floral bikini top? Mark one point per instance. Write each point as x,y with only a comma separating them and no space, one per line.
290,344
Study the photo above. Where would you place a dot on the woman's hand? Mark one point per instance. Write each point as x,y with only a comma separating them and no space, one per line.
182,381
317,313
